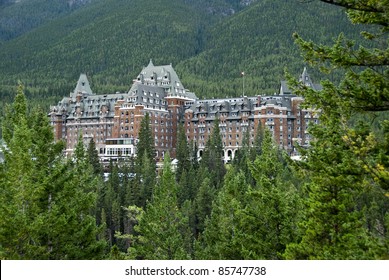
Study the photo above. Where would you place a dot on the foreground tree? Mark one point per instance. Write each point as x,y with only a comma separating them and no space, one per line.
162,229
47,203
334,226
347,157
73,232
363,91
219,239
253,221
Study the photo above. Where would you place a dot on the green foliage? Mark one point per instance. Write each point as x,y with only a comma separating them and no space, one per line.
256,208
212,159
253,221
334,227
93,157
219,238
348,158
162,228
203,204
47,203
146,144
183,153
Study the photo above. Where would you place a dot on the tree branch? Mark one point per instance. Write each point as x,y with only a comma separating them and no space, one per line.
357,5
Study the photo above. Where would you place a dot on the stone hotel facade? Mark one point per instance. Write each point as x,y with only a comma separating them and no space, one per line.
157,90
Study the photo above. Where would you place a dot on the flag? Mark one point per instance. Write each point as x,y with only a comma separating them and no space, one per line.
242,73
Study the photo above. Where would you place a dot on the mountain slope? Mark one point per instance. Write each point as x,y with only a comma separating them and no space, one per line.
19,17
208,42
259,42
109,40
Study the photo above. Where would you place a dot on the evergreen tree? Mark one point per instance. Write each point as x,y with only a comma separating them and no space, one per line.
93,156
14,114
18,196
183,156
203,204
162,227
72,211
47,204
219,239
212,159
333,227
194,160
148,175
145,165
271,210
253,222
345,159
363,89
146,144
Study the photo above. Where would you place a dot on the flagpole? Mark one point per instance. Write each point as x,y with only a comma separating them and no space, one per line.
243,84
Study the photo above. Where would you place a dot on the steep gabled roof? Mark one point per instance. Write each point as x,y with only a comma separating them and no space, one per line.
82,87
163,76
305,78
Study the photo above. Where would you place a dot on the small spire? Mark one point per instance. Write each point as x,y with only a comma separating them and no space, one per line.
305,78
150,63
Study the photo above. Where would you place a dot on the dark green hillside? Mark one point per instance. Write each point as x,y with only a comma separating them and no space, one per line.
19,17
110,40
208,42
259,42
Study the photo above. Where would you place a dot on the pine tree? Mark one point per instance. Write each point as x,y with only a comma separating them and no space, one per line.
203,204
162,227
73,234
14,114
47,204
148,175
268,220
93,157
333,227
212,159
345,159
182,153
364,87
219,239
18,197
146,141
253,221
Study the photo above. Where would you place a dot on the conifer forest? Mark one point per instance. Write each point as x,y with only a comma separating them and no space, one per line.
333,204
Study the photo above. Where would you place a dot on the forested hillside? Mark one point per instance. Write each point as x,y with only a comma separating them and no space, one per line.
19,17
258,41
112,40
